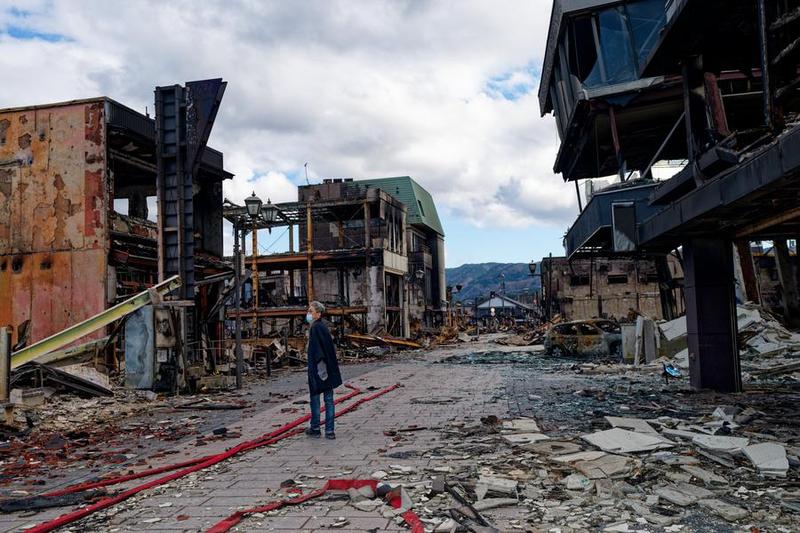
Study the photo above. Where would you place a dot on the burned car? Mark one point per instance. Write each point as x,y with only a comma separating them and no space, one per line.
584,337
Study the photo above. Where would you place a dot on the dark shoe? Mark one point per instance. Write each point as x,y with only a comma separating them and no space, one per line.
330,436
313,433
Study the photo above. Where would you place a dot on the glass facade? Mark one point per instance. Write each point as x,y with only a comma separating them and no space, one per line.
603,48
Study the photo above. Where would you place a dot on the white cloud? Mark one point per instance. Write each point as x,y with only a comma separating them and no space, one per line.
442,91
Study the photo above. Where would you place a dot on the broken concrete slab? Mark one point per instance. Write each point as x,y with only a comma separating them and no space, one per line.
725,412
674,328
494,503
521,425
724,509
672,458
720,443
623,441
707,477
27,397
579,456
769,457
524,438
682,433
366,505
499,485
683,494
577,482
622,527
437,485
553,447
608,466
447,526
632,424
361,493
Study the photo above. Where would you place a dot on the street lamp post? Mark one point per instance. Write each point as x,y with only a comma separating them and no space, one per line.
258,212
237,296
253,205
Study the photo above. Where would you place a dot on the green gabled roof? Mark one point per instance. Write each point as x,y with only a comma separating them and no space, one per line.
419,202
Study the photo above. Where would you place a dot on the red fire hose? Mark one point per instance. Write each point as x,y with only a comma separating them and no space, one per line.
332,484
115,480
266,439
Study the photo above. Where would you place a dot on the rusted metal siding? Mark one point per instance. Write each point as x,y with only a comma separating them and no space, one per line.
53,213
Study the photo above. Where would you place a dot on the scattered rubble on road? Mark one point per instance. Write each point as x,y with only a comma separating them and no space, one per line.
641,478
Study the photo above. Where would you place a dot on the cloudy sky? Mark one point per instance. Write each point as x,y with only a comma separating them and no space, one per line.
442,91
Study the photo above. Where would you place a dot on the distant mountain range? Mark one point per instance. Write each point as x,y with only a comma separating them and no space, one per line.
478,280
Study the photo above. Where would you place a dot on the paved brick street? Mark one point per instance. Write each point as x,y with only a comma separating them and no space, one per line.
455,416
361,448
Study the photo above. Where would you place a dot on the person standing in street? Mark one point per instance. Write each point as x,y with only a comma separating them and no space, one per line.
323,370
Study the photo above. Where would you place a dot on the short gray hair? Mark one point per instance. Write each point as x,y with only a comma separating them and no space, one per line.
318,307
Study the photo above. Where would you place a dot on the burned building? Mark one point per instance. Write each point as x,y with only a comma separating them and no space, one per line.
79,206
709,82
609,287
370,250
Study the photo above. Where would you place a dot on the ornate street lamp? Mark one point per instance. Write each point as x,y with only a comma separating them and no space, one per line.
270,212
253,204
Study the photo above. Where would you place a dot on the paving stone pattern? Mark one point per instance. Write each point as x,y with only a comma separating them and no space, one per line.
431,395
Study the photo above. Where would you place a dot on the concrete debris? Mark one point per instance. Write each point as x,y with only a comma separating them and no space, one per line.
498,485
622,527
608,466
521,425
724,509
379,474
674,329
709,478
577,482
551,447
726,413
493,503
632,424
719,443
447,526
683,494
524,438
769,458
579,456
624,441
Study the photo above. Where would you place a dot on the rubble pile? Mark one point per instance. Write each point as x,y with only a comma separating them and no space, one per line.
665,472
67,435
766,347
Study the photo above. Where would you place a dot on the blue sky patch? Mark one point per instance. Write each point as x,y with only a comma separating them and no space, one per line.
28,34
514,84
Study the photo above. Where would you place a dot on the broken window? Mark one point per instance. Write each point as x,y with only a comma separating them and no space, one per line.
578,280
615,46
608,326
610,46
617,279
121,205
583,54
646,18
566,329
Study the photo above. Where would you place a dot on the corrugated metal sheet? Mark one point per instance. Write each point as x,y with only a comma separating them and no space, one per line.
53,215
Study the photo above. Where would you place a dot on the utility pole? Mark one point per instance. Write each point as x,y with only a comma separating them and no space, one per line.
475,316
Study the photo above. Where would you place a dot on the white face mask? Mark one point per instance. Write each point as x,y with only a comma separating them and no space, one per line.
309,318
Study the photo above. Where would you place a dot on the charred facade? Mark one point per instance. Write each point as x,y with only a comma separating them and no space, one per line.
78,230
721,96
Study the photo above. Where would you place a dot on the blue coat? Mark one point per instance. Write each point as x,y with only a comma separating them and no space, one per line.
321,348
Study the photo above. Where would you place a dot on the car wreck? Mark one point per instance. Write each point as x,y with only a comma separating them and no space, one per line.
584,337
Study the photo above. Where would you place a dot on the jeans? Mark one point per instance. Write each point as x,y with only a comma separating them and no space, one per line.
329,411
